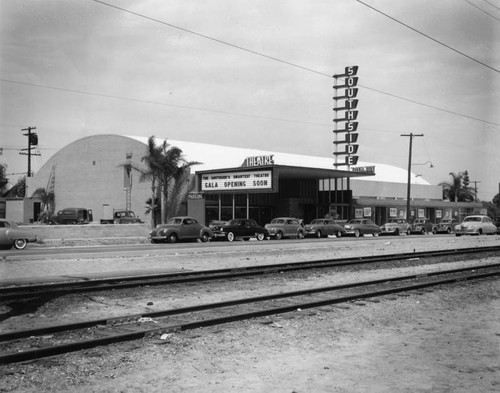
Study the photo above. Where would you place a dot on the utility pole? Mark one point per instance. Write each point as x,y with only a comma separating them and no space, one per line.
32,141
408,188
475,188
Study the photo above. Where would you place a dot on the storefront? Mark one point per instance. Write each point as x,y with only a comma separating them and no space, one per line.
262,190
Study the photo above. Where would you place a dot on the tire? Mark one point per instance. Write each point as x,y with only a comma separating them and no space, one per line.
408,232
357,233
338,234
423,232
319,234
480,232
172,238
434,231
205,237
20,244
448,231
279,235
260,236
396,232
375,234
300,235
230,236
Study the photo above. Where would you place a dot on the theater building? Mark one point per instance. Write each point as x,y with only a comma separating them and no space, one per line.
234,182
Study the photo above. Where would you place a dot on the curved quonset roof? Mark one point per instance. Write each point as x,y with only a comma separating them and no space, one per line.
219,157
89,172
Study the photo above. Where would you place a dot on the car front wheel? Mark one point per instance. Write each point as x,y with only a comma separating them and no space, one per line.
20,244
357,233
230,236
205,237
338,234
279,235
260,236
172,238
300,235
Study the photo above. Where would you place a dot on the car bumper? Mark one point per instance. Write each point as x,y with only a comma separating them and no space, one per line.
158,237
467,232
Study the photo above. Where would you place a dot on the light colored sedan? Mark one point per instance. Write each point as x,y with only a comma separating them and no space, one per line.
395,226
361,226
476,225
12,235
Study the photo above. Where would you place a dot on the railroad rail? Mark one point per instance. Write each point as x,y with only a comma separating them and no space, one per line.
17,346
102,284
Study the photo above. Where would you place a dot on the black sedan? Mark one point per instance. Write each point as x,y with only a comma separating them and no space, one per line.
241,228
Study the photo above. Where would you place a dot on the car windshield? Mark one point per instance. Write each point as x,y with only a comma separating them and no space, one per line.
355,222
277,221
234,222
472,219
446,221
174,221
316,222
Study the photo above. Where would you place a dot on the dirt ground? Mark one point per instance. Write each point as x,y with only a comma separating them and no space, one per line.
443,340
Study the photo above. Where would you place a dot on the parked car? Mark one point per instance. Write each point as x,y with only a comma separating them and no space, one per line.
422,225
121,217
446,225
320,227
180,228
215,225
361,226
242,228
395,226
13,236
476,225
282,227
72,216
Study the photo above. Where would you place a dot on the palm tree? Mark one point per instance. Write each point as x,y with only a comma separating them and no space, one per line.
457,190
48,199
167,170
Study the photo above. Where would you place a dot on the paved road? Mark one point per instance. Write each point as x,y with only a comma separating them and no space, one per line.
41,264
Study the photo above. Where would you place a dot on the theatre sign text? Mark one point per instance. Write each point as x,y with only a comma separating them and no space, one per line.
345,117
248,180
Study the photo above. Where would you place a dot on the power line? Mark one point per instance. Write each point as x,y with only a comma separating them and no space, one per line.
237,113
290,63
211,38
429,37
480,9
157,103
493,5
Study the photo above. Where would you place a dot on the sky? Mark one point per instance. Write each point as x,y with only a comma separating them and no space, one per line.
257,74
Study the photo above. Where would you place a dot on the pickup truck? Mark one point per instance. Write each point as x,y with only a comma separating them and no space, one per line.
121,217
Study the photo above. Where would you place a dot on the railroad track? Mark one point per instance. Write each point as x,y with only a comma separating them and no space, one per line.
62,288
56,340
